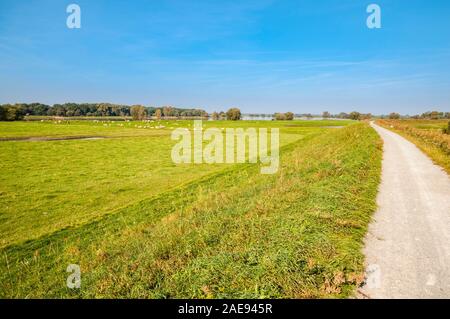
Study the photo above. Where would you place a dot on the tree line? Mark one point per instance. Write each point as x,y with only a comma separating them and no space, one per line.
430,115
13,112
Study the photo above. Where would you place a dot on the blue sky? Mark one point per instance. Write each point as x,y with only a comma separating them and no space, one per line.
262,56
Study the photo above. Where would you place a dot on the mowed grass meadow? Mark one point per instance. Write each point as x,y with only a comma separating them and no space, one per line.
141,226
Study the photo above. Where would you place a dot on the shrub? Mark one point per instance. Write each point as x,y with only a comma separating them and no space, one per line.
394,116
289,116
234,114
447,130
355,116
158,114
10,112
2,113
138,112
215,116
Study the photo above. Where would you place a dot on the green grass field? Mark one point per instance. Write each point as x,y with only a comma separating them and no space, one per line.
427,124
141,226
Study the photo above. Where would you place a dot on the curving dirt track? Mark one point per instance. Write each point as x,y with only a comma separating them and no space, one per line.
408,244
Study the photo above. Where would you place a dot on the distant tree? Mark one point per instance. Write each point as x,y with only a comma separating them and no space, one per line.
2,113
158,114
215,116
59,110
355,116
326,115
204,114
10,112
36,108
84,109
150,110
394,116
435,115
289,116
50,112
168,111
234,114
138,112
366,116
343,115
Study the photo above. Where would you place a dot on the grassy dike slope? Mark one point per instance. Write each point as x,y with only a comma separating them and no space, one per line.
295,234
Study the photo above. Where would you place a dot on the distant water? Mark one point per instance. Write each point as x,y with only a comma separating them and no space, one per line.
247,117
268,117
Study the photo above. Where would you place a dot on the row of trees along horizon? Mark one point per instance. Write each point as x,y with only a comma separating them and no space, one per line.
19,111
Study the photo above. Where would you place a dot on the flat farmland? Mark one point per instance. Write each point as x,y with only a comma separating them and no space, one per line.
55,184
141,226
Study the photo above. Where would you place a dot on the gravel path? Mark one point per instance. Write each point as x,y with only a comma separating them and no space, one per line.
408,244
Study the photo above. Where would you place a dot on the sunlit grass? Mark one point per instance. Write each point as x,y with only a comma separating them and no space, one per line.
232,233
46,186
427,135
